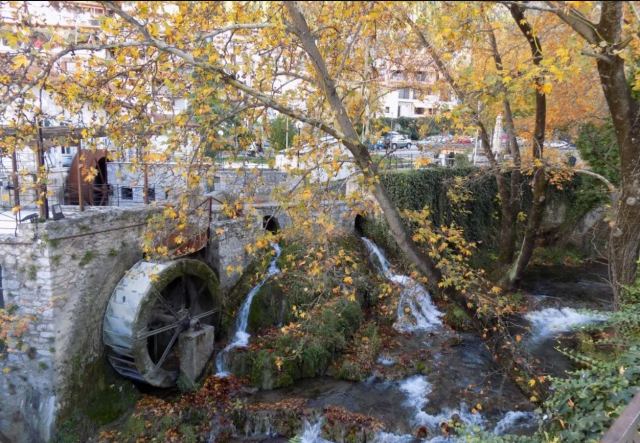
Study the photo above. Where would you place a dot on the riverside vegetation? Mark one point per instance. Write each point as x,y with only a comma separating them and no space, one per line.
331,311
544,69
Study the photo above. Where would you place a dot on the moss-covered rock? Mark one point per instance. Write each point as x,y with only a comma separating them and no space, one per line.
306,316
357,361
269,307
458,318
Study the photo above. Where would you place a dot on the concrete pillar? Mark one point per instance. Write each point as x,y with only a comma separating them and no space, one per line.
196,347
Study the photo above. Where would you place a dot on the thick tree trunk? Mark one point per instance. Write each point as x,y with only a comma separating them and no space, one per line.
508,223
539,182
624,241
527,247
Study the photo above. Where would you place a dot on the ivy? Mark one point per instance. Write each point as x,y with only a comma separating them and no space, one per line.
598,146
467,197
416,189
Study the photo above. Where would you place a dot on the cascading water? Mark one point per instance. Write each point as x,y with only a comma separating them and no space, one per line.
312,432
241,336
516,420
417,388
416,311
553,321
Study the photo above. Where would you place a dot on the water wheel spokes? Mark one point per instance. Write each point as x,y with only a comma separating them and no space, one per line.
158,330
164,302
204,314
146,317
168,349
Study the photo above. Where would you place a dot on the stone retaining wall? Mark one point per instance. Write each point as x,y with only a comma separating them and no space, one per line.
57,279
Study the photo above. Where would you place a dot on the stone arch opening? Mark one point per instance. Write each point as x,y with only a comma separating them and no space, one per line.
358,224
270,223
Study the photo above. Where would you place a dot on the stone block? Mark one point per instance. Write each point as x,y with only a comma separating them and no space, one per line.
196,348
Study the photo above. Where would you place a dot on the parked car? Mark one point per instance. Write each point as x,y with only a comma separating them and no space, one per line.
395,140
375,146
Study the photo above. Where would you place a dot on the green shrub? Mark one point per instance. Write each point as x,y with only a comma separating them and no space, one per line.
133,427
599,147
585,404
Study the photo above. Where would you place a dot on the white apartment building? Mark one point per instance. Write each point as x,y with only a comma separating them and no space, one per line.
414,94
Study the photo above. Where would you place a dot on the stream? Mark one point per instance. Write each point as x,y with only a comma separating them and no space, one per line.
459,381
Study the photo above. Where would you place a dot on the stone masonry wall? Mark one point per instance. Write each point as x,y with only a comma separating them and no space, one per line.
227,252
63,276
26,387
58,277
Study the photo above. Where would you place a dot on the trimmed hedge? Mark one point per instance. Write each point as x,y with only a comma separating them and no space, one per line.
416,189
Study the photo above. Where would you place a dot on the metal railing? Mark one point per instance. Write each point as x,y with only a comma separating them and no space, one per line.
626,427
92,195
411,161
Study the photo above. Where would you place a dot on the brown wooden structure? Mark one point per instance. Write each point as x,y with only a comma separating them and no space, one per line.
94,193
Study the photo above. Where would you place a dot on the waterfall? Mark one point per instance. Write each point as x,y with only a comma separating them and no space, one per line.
416,311
416,389
552,321
312,433
241,336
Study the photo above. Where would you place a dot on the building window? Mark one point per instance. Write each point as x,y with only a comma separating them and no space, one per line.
151,194
421,76
397,75
419,111
126,193
66,149
405,94
386,109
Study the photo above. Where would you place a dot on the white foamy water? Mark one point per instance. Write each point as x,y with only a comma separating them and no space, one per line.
241,336
386,360
388,437
553,321
312,433
462,414
416,311
416,389
515,420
